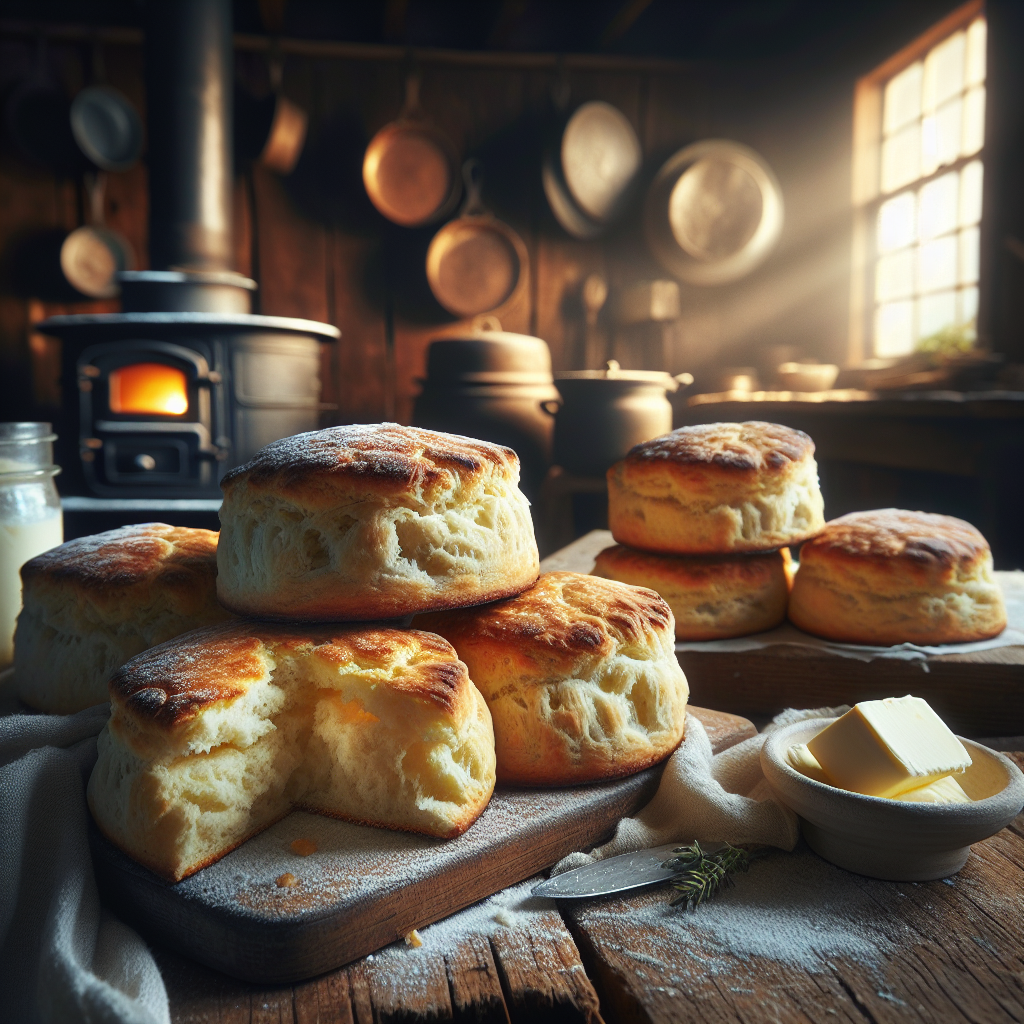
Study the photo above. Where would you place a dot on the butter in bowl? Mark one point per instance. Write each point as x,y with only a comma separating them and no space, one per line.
889,792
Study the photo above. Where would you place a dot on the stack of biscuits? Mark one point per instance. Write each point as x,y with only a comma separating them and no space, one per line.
705,516
308,684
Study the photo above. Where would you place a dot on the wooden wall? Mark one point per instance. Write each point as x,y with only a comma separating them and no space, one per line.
319,250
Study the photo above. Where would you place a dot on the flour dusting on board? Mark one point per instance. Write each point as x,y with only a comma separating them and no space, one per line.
354,862
794,909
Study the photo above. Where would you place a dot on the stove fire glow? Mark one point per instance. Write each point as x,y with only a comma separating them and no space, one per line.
148,388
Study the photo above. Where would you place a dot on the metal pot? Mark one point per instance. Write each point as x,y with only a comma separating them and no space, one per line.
606,412
493,385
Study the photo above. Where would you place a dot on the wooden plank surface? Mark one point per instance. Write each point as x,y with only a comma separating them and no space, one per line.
938,951
978,694
363,887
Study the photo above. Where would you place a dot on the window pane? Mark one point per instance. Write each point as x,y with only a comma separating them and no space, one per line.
894,276
896,222
974,121
894,329
944,72
968,305
935,312
936,264
901,158
970,193
940,136
975,70
937,206
969,255
902,99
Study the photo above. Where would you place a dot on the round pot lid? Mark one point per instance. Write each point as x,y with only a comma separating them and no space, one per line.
615,374
713,212
106,127
600,158
489,355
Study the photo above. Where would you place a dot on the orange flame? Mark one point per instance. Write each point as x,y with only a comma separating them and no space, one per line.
148,388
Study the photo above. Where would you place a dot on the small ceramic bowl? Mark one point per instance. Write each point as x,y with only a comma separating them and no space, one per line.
807,376
882,838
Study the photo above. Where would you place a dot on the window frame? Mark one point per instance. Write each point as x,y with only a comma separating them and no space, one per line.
866,192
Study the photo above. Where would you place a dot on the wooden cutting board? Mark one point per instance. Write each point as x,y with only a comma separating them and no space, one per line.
978,694
364,887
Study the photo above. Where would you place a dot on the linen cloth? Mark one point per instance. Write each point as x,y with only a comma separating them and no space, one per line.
708,797
63,958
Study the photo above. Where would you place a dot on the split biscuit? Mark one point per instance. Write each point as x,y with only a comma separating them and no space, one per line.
90,605
717,489
373,522
580,675
219,733
891,577
711,597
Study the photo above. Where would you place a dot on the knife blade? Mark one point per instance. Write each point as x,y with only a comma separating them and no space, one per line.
616,874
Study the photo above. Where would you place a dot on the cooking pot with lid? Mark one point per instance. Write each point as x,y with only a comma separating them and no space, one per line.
606,412
493,385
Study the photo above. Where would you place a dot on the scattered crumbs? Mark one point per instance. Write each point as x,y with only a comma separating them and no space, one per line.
303,847
889,997
286,881
413,939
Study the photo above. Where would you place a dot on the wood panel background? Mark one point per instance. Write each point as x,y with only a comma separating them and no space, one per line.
319,250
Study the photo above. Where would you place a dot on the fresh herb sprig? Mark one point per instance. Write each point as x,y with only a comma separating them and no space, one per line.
701,875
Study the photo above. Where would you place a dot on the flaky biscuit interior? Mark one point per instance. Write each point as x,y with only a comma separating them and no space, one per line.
217,735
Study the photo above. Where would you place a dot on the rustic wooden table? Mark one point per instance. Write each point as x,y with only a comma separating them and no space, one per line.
794,940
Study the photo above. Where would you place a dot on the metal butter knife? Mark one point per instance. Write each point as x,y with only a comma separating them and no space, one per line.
616,874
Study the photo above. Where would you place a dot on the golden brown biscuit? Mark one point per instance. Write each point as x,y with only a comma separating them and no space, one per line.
373,522
92,604
580,675
717,488
892,577
219,733
712,597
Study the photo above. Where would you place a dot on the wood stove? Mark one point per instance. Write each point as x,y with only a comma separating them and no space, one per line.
162,398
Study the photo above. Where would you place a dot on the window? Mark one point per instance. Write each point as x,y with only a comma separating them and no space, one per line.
919,133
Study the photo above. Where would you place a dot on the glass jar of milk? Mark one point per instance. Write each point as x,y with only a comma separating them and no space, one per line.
30,516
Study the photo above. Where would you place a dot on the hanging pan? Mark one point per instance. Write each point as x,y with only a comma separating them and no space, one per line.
588,176
713,212
476,264
409,169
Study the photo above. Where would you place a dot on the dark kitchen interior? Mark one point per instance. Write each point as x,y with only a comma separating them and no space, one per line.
569,228
778,77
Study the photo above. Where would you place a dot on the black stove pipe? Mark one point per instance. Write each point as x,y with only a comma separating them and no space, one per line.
189,75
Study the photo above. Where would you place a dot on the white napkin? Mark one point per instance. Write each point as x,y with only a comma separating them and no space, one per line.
708,797
62,957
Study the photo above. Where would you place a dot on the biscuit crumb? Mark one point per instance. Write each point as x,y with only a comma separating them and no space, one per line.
303,847
287,880
503,917
413,939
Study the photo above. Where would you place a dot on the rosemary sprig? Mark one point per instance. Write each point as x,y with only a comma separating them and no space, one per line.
700,875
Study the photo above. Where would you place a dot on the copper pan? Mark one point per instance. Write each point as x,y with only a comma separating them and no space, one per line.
409,169
476,263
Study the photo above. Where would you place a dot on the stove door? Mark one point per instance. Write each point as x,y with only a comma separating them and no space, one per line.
149,412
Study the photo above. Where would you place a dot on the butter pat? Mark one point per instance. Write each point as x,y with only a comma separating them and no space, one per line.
941,791
800,758
886,747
